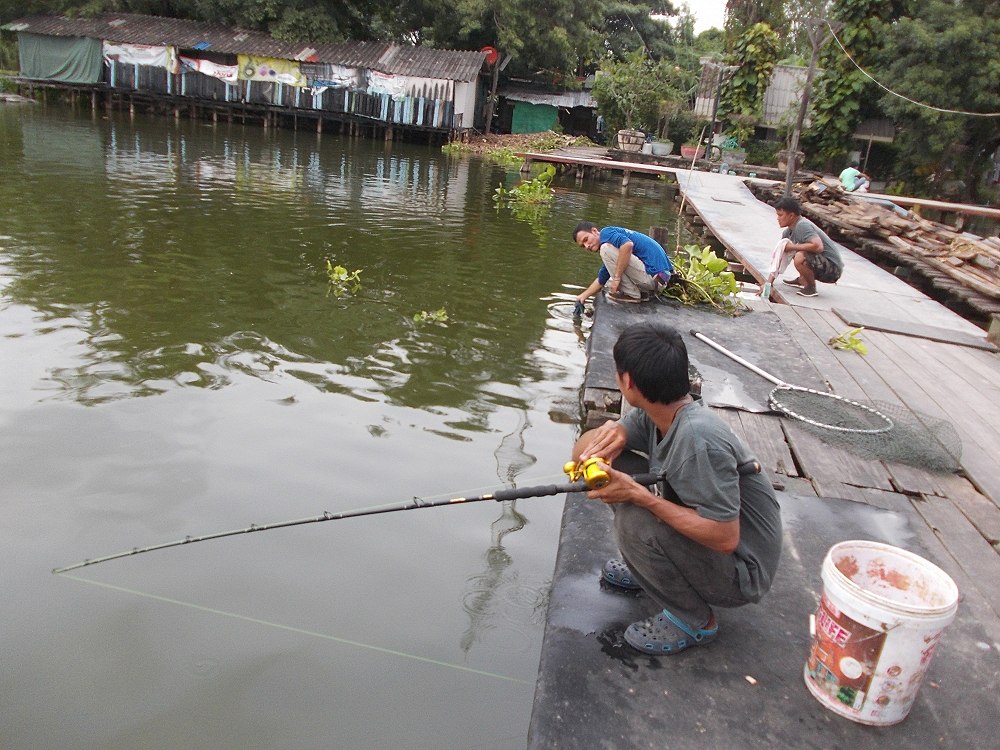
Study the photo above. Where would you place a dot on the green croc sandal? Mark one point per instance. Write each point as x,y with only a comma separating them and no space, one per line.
617,573
665,634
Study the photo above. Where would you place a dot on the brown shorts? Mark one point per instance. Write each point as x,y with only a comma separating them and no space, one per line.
822,268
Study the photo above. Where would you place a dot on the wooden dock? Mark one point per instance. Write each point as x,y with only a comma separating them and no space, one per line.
747,688
594,691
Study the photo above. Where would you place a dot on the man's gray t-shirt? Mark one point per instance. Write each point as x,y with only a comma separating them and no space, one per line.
699,456
804,230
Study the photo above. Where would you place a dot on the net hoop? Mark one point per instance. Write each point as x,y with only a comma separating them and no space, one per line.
881,430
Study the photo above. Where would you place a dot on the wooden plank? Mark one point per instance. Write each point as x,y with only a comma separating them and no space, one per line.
893,501
875,387
818,352
800,486
978,370
922,382
835,472
982,512
767,439
733,417
909,328
965,544
982,365
975,416
958,208
911,480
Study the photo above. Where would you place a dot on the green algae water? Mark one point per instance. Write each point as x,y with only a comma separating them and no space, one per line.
174,361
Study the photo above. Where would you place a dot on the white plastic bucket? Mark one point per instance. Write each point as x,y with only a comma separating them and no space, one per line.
882,613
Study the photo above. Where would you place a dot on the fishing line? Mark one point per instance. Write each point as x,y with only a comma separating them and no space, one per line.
299,631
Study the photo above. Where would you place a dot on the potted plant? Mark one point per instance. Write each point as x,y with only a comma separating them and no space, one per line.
782,157
693,149
629,95
670,105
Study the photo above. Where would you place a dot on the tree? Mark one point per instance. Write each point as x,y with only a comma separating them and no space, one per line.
631,26
754,54
637,93
551,44
844,95
943,56
742,14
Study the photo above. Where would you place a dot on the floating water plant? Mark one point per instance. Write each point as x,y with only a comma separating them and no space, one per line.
533,191
704,278
343,281
433,316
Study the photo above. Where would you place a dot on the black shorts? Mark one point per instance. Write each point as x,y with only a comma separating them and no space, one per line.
823,268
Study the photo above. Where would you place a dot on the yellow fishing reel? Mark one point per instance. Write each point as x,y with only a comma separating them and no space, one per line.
589,471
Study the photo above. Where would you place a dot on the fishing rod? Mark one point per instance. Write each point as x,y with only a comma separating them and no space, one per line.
586,475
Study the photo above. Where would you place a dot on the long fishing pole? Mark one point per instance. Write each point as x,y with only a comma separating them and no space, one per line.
589,476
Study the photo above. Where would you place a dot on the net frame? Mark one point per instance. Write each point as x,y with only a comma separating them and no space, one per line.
899,434
775,403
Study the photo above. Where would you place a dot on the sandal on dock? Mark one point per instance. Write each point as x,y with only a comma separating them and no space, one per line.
666,634
617,573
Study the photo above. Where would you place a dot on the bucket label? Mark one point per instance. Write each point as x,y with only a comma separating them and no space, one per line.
844,655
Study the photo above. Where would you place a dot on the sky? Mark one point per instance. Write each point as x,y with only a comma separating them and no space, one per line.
708,13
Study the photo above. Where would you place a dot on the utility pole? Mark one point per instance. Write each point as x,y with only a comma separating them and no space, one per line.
819,34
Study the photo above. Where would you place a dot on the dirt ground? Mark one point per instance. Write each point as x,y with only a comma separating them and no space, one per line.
521,141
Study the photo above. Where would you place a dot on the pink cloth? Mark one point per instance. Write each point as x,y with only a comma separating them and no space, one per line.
780,257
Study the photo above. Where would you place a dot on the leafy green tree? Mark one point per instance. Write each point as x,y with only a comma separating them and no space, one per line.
638,93
943,55
743,14
631,26
755,54
551,43
843,94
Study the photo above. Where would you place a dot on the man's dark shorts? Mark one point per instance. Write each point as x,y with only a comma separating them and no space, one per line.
823,268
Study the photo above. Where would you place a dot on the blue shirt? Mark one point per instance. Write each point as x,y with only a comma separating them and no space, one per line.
644,247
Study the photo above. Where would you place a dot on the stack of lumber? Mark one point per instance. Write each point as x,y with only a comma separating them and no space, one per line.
962,264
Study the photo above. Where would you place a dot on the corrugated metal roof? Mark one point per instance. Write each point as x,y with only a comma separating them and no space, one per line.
879,130
559,99
129,28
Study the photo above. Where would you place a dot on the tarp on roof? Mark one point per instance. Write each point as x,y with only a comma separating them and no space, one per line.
64,59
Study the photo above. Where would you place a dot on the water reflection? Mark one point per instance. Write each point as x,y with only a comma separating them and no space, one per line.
187,247
171,278
485,602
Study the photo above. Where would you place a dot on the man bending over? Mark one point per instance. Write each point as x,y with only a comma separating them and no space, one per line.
634,264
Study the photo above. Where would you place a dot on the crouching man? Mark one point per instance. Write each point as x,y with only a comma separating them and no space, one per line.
709,535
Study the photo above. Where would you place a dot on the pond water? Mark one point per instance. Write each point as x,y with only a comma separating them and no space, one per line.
174,361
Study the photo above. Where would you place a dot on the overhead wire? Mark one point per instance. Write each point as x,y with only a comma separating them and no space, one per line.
896,93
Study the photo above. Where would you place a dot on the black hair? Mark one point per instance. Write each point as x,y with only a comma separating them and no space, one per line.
583,226
655,356
788,204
